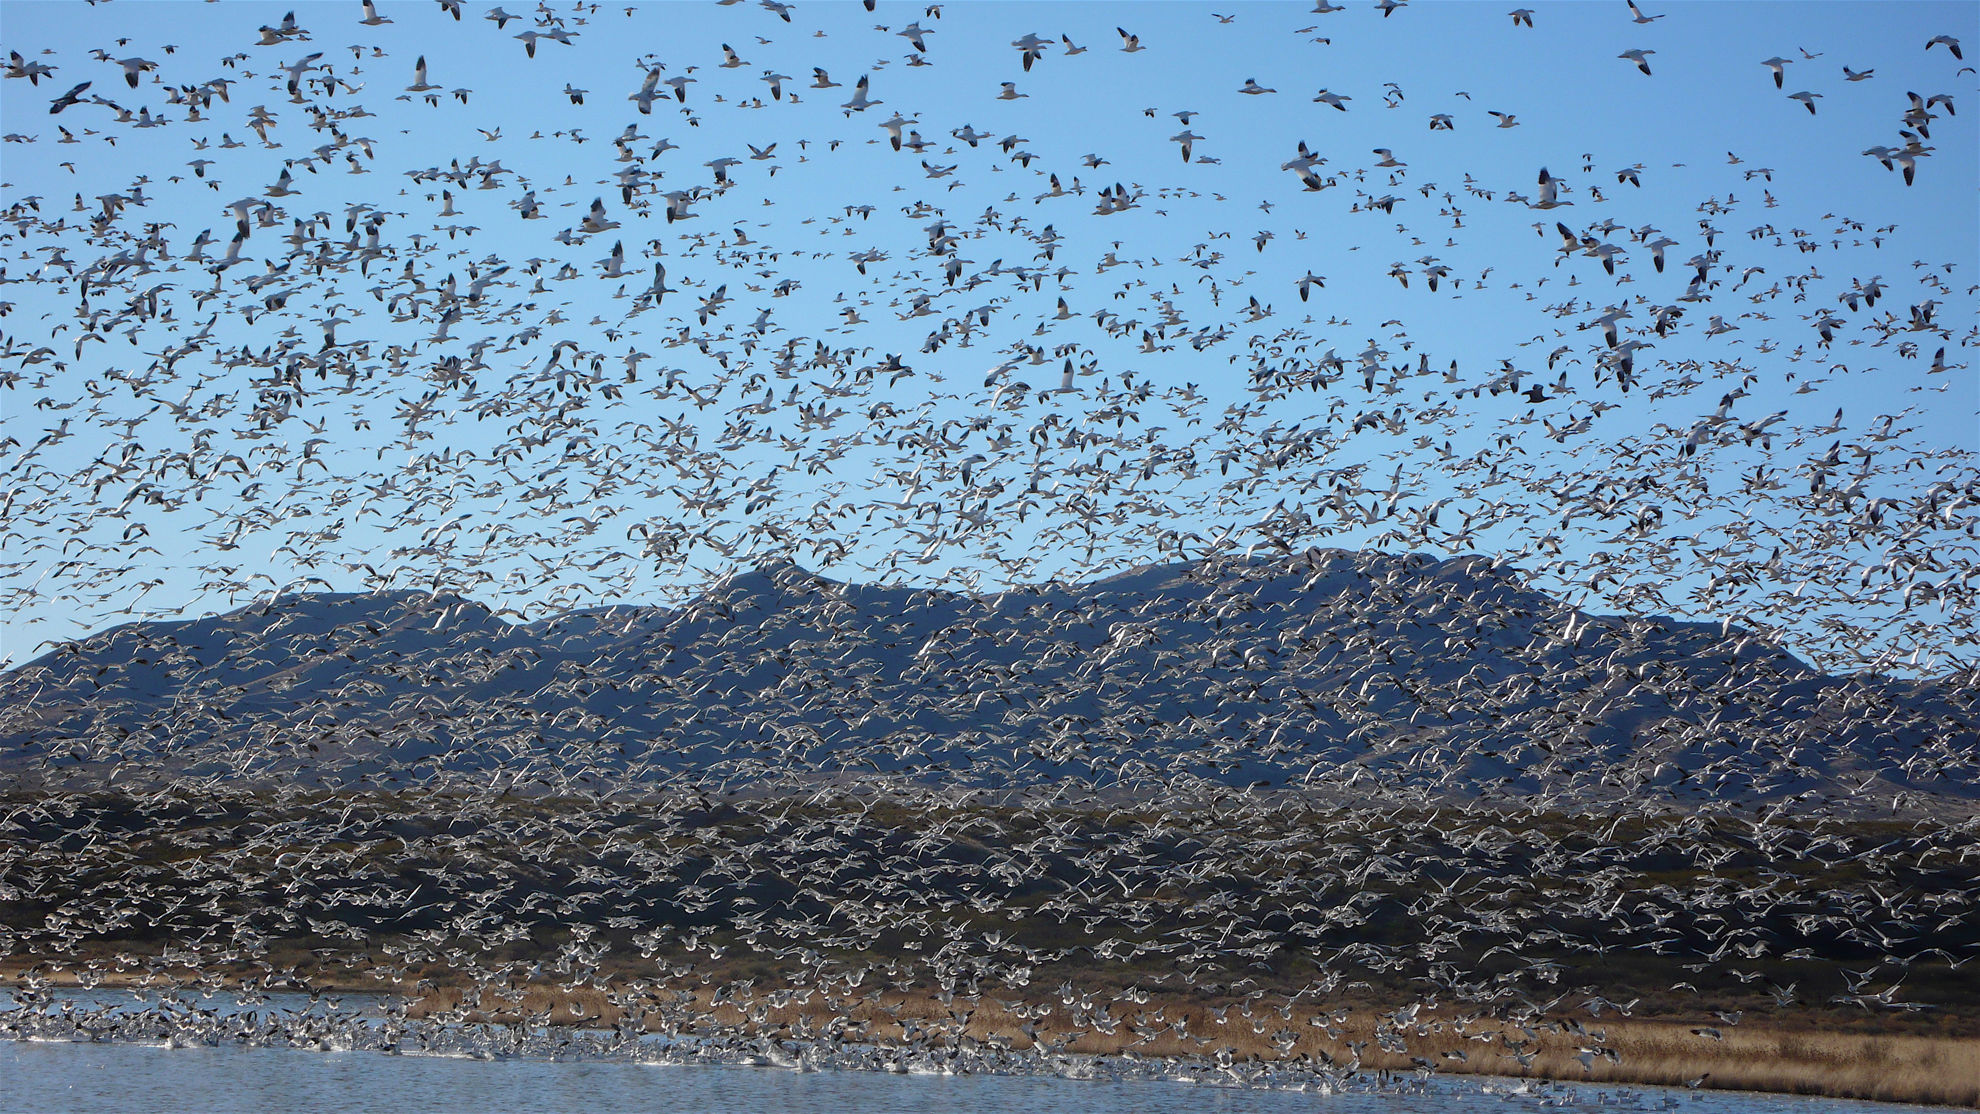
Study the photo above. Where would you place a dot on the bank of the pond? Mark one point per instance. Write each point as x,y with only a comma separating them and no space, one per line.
1810,1052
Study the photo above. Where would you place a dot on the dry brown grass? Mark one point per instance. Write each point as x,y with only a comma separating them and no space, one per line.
1775,1055
1771,1056
1786,1053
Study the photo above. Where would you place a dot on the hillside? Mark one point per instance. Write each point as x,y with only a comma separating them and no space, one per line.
1333,673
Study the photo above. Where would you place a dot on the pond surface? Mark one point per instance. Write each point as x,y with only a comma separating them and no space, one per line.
111,1051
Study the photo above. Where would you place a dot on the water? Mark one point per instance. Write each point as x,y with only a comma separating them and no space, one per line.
43,1076
288,1053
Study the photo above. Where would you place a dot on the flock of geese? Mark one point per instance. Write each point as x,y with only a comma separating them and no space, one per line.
299,325
1210,936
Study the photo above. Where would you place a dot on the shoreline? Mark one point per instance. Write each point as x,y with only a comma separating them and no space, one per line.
1790,1055
1764,954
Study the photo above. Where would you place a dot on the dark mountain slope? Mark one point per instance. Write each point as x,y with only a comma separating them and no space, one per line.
1331,672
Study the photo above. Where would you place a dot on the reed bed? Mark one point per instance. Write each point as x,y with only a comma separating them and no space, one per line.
1786,1055
1788,1052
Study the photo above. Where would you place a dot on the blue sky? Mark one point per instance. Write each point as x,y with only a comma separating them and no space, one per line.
329,487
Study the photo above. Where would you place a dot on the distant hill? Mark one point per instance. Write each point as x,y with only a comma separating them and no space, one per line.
1334,673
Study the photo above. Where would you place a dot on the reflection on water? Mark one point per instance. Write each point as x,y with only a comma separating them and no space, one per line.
110,1050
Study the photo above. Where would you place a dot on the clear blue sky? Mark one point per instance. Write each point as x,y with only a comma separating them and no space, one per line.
330,486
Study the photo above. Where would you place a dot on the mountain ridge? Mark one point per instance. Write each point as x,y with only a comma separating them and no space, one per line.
1328,671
